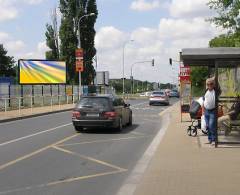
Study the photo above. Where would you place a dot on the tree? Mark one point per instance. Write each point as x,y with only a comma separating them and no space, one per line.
53,54
88,36
228,40
228,13
52,38
68,45
6,63
71,11
199,76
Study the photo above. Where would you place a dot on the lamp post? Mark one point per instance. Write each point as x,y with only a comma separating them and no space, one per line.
79,46
141,62
123,68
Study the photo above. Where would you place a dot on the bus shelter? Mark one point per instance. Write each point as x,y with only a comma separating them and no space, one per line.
216,59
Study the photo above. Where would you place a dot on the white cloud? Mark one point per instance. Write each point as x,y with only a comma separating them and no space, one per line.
190,8
3,37
186,28
15,46
145,35
32,2
18,48
143,5
9,9
38,53
109,37
160,43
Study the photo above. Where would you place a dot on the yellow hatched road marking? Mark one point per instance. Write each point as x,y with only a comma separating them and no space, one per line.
103,140
85,177
35,152
89,158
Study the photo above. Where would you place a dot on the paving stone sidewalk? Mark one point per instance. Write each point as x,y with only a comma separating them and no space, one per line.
181,166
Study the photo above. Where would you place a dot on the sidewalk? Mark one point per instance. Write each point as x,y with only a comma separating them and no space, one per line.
33,112
181,166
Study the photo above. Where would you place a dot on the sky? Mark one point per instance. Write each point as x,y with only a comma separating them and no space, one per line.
159,29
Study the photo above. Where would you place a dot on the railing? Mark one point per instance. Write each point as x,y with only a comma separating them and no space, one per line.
19,103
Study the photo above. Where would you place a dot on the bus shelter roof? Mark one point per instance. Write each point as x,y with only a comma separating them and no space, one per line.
221,56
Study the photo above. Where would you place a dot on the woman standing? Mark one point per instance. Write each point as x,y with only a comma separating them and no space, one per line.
209,110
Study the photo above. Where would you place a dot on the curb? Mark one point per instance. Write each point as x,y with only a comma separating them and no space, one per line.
34,115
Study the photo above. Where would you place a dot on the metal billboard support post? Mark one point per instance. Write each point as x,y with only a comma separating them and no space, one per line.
5,105
51,102
19,106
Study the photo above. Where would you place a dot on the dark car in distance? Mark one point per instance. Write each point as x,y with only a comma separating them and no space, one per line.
174,93
101,111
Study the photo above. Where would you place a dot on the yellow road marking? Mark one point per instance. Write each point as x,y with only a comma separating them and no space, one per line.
103,140
73,179
85,177
89,158
35,152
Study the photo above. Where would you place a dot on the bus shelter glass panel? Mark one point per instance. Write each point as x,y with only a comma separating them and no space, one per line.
229,102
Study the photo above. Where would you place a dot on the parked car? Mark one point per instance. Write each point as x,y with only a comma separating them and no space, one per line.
101,111
159,97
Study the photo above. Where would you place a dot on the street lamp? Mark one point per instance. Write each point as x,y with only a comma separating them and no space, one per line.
123,74
141,62
79,45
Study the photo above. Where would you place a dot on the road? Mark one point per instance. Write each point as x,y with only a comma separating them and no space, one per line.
44,155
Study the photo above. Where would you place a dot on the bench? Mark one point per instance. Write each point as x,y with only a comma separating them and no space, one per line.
232,125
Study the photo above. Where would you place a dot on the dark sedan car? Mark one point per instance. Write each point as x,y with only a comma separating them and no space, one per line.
101,111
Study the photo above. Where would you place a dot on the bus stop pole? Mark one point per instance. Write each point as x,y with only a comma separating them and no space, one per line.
216,103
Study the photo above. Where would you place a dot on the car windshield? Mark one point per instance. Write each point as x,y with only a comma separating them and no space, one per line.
158,93
94,102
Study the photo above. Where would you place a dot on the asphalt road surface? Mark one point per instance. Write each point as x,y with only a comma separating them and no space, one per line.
44,155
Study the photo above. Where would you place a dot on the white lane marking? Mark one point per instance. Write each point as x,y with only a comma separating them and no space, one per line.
32,135
6,123
130,185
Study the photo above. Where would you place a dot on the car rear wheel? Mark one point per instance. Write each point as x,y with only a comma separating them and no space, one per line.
120,125
130,120
78,128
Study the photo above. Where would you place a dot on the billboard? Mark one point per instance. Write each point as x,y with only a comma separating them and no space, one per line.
102,78
42,72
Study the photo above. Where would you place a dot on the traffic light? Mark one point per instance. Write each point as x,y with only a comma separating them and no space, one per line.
153,61
170,61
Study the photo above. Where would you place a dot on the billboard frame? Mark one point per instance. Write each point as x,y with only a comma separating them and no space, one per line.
41,60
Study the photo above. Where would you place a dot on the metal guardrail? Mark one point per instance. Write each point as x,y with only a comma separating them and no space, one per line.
19,103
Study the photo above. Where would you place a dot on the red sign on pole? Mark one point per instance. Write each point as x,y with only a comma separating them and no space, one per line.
79,53
79,66
79,60
185,73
